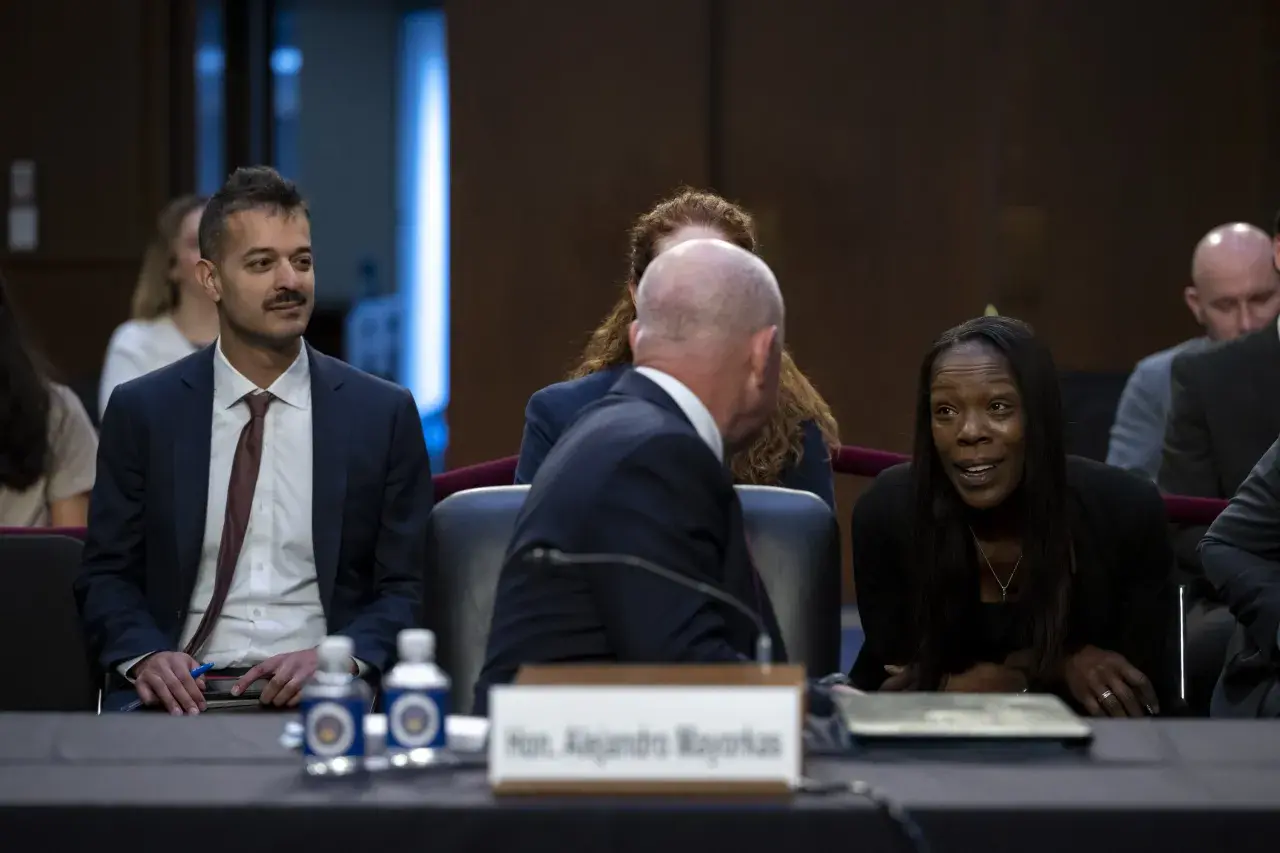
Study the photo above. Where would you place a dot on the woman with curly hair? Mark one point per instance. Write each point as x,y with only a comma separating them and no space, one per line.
792,451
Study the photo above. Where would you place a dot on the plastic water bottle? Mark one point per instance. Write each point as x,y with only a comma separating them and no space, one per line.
334,704
416,695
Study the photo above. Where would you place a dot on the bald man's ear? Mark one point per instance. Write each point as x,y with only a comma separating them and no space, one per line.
633,335
1192,297
764,345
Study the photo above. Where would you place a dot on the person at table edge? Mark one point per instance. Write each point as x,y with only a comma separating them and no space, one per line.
994,562
255,496
642,473
793,449
1241,557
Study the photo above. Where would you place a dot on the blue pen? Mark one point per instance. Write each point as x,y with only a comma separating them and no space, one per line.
195,673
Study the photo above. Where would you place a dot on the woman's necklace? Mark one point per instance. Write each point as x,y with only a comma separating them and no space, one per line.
1004,585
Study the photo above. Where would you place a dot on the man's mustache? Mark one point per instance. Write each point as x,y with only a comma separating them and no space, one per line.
287,299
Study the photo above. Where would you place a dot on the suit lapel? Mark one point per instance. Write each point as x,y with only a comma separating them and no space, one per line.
329,422
193,434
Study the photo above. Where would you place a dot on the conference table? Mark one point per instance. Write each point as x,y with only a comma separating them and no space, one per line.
226,783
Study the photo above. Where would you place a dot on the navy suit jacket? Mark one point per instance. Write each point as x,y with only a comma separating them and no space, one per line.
631,476
553,409
371,500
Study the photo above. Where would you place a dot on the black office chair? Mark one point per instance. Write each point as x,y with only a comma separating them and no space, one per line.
795,544
39,620
468,538
794,539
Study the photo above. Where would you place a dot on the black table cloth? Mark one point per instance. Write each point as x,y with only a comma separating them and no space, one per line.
146,782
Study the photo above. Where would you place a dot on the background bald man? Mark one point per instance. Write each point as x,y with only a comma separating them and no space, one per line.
642,472
1224,413
1234,290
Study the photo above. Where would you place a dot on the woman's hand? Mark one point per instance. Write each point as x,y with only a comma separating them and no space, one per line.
1107,685
901,678
980,678
986,678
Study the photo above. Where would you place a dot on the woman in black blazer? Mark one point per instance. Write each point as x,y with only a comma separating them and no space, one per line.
993,562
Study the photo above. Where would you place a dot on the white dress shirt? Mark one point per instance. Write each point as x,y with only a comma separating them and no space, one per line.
137,348
273,605
694,409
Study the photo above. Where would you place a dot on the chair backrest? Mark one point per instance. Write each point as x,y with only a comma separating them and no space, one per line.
38,616
795,543
468,538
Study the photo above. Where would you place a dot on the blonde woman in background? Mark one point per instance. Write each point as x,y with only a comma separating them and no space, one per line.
171,316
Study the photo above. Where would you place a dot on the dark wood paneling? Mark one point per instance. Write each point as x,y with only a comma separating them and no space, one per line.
1133,134
860,139
568,119
93,111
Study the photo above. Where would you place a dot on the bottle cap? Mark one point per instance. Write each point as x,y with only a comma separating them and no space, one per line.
335,653
417,645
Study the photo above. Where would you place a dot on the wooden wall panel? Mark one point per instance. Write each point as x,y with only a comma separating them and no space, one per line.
91,105
861,139
1055,162
1135,132
568,119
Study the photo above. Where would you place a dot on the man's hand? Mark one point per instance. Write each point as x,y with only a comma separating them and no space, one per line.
164,678
288,673
986,678
1107,685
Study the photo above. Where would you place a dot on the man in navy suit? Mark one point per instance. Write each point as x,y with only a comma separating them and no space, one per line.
256,496
642,472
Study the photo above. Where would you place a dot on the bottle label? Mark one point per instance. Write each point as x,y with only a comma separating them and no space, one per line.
415,718
333,728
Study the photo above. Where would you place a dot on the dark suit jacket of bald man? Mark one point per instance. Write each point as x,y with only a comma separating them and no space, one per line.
631,476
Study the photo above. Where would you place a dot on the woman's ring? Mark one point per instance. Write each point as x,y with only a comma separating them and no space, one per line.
1106,694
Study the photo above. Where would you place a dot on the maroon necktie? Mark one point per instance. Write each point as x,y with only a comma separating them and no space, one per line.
244,477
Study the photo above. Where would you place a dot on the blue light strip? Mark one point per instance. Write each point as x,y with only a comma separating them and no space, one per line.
424,223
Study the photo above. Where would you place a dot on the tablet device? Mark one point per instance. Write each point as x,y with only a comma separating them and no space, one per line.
960,716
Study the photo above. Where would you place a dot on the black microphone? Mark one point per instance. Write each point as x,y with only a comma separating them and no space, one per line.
556,557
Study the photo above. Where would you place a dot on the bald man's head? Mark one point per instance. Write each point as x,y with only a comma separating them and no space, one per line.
1235,288
711,314
705,293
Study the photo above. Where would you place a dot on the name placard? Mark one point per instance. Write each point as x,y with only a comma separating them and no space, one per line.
733,729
